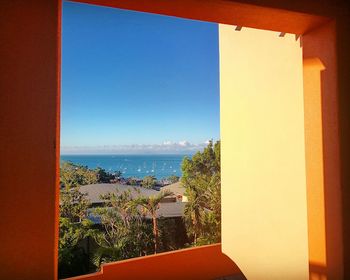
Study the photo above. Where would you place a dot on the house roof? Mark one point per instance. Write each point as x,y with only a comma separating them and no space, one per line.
166,209
94,191
176,188
172,209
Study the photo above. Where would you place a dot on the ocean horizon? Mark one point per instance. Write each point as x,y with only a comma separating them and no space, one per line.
132,165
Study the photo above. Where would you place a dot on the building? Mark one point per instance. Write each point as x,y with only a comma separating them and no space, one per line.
170,207
178,190
312,240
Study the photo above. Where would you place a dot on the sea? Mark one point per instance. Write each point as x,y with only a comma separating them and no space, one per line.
139,166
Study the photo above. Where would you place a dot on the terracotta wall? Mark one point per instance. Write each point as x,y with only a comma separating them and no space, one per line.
228,12
202,263
29,114
322,152
29,104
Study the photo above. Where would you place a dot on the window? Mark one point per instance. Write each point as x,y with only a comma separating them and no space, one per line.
140,136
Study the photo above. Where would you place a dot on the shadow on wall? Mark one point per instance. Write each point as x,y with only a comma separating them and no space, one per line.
318,272
322,155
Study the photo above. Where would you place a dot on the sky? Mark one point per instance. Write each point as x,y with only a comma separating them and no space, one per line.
136,81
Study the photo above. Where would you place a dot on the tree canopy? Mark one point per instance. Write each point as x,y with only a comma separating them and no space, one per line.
202,181
173,179
149,182
126,234
150,205
130,225
72,175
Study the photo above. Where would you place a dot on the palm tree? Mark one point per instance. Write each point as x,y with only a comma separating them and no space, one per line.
150,205
201,179
193,212
108,252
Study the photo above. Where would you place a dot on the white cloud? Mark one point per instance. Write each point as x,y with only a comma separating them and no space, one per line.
167,147
184,143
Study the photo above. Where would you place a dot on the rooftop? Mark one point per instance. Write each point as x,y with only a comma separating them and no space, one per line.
94,191
176,188
166,209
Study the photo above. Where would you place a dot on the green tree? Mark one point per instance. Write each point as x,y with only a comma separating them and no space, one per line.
106,177
202,181
149,182
72,259
125,234
73,203
73,228
174,179
150,206
118,174
72,175
132,181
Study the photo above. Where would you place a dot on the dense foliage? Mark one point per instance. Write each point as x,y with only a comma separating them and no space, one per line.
74,227
105,177
149,182
173,179
129,224
150,205
201,178
126,233
73,175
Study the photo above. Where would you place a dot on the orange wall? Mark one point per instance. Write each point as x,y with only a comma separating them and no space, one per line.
29,115
228,12
322,152
314,161
29,138
202,263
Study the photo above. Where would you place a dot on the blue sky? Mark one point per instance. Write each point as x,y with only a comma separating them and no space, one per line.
132,79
